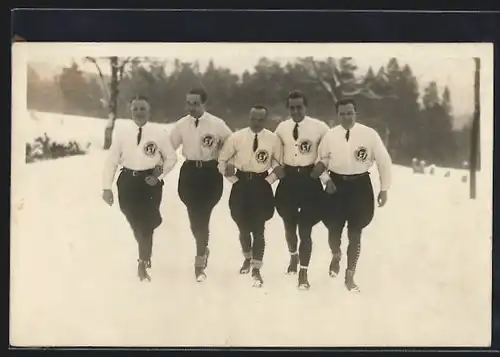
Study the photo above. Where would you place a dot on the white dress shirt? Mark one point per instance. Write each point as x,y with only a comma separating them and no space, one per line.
153,149
356,155
304,150
238,150
201,142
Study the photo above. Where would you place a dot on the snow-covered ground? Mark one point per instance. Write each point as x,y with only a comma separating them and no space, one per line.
424,271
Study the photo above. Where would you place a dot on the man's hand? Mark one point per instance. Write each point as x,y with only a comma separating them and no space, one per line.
230,170
279,171
330,187
107,196
318,169
157,171
151,180
382,198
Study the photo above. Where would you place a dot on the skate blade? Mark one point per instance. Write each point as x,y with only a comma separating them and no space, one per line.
290,272
354,290
304,287
244,271
333,274
201,278
257,284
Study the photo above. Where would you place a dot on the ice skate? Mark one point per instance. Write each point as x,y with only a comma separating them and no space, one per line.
245,268
349,282
142,272
200,274
334,269
199,268
292,266
257,278
303,281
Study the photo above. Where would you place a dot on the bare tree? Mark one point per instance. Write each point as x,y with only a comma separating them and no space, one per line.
329,76
110,90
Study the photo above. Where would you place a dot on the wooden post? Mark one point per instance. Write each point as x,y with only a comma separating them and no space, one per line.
474,147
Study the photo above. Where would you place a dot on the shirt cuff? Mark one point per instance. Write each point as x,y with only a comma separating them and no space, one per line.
221,167
271,178
107,183
233,179
385,187
325,177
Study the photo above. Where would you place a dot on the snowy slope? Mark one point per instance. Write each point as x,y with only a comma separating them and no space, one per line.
424,271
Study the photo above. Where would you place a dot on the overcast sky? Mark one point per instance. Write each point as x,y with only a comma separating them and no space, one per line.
447,64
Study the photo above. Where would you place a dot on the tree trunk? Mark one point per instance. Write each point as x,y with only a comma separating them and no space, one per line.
113,103
474,147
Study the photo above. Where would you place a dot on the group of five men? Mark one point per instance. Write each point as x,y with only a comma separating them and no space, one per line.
323,177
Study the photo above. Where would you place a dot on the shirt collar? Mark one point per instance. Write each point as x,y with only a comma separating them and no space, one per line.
352,128
301,122
136,127
259,134
203,116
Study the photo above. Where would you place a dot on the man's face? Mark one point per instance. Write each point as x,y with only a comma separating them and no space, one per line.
140,110
257,119
347,115
194,105
297,108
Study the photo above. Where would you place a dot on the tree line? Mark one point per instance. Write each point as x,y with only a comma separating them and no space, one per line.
411,123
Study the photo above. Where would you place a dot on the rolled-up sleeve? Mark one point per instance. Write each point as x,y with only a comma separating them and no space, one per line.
384,162
277,159
227,151
324,151
112,161
168,156
175,136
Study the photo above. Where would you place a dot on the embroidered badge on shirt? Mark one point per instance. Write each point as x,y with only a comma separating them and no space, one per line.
150,148
208,141
361,154
305,147
261,156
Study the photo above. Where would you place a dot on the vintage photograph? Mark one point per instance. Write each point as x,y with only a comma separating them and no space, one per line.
251,195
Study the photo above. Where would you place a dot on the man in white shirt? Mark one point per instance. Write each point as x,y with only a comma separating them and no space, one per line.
299,194
201,135
245,159
146,156
348,151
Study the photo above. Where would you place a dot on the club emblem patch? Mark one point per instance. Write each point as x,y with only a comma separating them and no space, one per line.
361,154
150,148
305,147
262,156
208,141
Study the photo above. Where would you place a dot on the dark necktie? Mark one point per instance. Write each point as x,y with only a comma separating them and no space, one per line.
347,135
139,135
255,143
296,131
196,122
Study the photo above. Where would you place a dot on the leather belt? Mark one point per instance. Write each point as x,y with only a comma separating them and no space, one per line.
347,177
299,169
248,175
136,173
201,164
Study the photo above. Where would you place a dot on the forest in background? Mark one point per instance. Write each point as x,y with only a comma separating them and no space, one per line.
411,123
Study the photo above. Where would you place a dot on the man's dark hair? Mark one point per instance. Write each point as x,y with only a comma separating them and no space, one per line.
201,92
139,97
295,94
260,107
345,101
